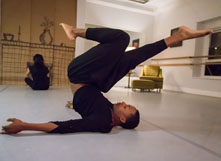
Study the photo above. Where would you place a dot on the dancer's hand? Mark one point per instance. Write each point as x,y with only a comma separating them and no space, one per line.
69,104
15,127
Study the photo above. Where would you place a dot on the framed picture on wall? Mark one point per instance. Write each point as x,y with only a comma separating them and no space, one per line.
135,43
215,45
173,31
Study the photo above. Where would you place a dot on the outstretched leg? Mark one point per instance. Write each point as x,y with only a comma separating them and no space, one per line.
133,58
139,55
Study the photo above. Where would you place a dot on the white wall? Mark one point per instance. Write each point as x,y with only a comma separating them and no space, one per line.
95,12
188,13
0,36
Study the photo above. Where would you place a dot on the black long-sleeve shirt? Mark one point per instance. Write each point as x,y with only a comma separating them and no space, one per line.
95,110
40,79
39,73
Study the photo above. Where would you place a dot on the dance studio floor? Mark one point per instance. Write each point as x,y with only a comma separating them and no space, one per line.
174,127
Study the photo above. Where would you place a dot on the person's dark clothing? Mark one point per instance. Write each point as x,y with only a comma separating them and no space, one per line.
100,68
94,109
40,80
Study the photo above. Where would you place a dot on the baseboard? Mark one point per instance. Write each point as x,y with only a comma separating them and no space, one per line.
192,91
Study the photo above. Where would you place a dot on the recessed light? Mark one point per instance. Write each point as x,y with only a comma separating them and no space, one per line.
140,1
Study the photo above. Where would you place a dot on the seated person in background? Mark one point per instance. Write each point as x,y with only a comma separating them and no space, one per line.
37,75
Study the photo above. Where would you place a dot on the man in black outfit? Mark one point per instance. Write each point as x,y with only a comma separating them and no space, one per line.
97,71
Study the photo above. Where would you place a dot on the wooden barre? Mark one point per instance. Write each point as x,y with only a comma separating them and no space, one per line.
188,57
184,64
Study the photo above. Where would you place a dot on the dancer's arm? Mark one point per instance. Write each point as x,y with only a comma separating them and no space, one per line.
80,125
62,127
17,126
69,104
27,73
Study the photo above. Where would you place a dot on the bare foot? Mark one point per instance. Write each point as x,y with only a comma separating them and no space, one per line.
69,30
187,33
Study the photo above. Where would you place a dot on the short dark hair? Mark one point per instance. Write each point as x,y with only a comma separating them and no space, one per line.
132,121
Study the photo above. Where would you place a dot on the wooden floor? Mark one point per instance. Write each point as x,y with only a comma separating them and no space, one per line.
174,127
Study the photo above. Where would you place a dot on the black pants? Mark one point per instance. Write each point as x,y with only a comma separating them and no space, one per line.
41,85
105,64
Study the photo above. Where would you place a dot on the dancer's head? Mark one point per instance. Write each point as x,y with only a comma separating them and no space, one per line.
129,116
38,60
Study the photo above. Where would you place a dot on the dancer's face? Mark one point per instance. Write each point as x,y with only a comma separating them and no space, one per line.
125,110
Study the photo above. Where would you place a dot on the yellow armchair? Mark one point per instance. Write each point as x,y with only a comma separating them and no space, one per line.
150,78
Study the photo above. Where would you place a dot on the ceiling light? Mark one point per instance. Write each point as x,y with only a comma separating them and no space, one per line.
140,1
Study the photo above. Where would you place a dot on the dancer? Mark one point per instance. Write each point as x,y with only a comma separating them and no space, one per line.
37,75
96,71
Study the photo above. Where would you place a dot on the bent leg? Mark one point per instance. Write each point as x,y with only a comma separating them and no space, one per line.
102,35
93,66
29,82
43,85
118,39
